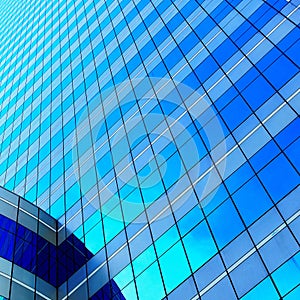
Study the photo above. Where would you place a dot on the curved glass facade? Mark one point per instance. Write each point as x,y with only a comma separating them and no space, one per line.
163,135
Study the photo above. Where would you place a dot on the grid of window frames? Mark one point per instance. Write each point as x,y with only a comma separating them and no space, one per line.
243,57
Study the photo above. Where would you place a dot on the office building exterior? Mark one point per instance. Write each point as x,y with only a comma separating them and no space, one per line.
163,138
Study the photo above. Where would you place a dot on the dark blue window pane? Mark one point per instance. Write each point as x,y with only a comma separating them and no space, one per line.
281,71
204,27
7,244
293,153
224,51
235,113
264,155
288,134
206,69
279,177
258,92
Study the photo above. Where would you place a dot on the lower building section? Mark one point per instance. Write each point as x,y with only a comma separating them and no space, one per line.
33,265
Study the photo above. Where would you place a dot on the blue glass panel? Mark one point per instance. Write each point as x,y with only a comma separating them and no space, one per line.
281,71
7,244
293,153
225,223
235,112
264,290
199,245
258,92
264,155
172,261
288,134
224,51
155,290
252,200
206,69
288,275
279,177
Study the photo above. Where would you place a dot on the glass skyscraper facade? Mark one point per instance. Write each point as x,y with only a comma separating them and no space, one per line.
162,135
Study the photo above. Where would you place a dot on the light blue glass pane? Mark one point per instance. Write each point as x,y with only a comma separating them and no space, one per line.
129,292
263,291
288,275
225,223
174,267
199,245
166,240
57,209
155,289
294,295
72,195
189,220
144,260
124,277
112,226
94,240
